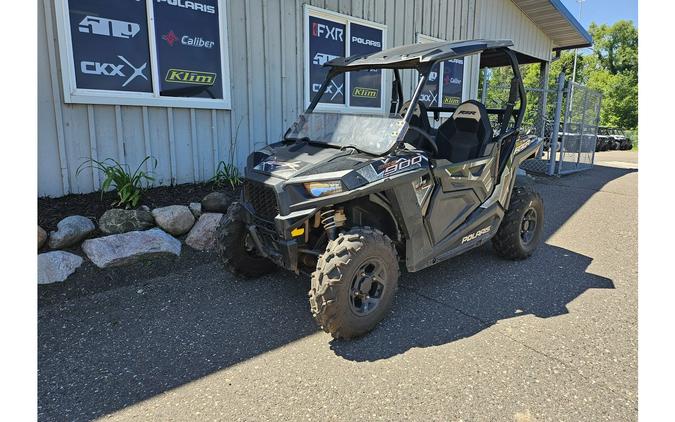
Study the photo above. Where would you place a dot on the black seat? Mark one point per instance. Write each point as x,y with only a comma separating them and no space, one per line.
465,135
419,120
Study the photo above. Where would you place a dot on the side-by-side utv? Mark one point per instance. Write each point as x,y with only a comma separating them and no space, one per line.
349,198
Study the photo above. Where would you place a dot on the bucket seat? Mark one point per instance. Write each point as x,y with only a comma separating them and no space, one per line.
465,135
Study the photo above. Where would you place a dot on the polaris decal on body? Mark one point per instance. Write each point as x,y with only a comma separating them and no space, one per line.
272,164
476,235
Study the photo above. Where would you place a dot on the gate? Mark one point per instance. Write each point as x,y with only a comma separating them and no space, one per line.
570,134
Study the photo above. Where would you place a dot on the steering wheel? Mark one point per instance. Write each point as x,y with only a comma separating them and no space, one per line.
429,140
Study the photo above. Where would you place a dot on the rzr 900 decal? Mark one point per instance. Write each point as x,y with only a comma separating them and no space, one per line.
394,165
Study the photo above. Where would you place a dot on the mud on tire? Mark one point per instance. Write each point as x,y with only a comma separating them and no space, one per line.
353,286
517,238
237,257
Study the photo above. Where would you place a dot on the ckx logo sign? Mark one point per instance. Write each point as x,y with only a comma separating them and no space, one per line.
321,30
111,69
333,89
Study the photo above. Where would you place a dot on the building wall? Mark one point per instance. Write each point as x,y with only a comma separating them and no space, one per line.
266,75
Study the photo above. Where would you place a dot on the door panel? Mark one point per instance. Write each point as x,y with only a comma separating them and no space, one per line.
448,210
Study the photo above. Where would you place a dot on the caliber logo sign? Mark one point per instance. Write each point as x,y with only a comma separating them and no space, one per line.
108,27
364,92
187,40
190,77
111,69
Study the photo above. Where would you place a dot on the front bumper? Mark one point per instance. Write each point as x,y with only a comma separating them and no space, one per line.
273,239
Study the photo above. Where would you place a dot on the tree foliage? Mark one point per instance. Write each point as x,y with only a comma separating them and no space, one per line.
611,67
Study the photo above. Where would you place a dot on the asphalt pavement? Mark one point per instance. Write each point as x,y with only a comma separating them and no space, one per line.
476,338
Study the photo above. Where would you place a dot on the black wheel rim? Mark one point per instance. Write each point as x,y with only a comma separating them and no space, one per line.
528,226
367,287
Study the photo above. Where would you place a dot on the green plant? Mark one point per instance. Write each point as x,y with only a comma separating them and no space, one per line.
129,186
226,173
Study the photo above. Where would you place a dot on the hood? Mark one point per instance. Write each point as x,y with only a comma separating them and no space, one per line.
286,161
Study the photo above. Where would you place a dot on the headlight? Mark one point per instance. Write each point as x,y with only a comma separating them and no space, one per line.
317,189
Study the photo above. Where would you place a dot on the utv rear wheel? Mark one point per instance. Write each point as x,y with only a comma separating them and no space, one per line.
520,232
354,284
237,250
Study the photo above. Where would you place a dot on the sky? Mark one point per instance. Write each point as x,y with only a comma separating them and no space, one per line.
603,11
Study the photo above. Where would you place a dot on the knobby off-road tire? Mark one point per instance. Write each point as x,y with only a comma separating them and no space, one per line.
235,250
521,230
343,301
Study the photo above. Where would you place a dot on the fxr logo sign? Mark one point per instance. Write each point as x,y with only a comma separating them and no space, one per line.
110,69
329,32
108,27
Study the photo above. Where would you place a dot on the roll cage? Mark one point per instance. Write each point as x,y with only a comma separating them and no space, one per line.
422,57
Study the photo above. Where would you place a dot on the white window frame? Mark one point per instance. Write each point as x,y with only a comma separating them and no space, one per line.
72,94
346,20
466,73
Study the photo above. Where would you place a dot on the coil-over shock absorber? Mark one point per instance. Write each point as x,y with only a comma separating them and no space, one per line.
328,222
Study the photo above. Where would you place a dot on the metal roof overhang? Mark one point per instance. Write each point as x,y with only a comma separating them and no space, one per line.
553,18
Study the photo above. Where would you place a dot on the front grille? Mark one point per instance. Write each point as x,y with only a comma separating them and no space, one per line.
262,199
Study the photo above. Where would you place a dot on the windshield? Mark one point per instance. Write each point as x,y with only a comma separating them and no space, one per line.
367,133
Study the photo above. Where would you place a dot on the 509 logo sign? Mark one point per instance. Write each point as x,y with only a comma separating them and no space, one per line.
190,77
321,58
111,69
108,27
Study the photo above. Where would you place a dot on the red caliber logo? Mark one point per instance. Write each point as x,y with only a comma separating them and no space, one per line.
170,38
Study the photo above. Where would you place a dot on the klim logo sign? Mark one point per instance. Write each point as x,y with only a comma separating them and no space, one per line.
190,77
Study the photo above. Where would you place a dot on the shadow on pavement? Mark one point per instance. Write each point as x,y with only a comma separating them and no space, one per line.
104,349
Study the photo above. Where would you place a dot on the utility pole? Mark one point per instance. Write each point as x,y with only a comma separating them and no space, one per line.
574,70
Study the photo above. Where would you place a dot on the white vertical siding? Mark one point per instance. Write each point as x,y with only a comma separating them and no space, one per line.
503,19
266,71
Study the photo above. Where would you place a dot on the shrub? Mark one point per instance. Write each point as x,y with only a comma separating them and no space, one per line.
129,186
226,173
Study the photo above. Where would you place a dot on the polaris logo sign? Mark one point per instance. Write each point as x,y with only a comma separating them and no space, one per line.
364,41
192,5
476,235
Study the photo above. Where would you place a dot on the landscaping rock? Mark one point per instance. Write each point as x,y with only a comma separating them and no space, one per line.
203,234
174,219
70,231
216,202
42,237
196,209
127,248
117,220
56,266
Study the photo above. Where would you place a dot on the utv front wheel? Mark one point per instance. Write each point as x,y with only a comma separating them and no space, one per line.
353,286
520,232
237,250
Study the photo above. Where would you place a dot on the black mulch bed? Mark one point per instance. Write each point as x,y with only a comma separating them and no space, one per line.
53,210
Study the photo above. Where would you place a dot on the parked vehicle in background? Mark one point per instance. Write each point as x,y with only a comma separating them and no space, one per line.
612,138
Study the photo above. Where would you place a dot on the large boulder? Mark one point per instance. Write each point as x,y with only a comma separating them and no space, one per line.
117,220
203,234
216,202
70,231
127,248
56,266
42,237
196,208
174,219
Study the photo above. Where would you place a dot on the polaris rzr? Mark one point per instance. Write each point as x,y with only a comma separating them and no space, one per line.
348,198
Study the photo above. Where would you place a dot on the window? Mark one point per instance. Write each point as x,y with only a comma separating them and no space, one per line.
329,35
144,52
447,81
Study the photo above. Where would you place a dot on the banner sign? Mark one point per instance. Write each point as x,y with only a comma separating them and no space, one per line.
453,74
110,45
365,85
188,48
326,42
